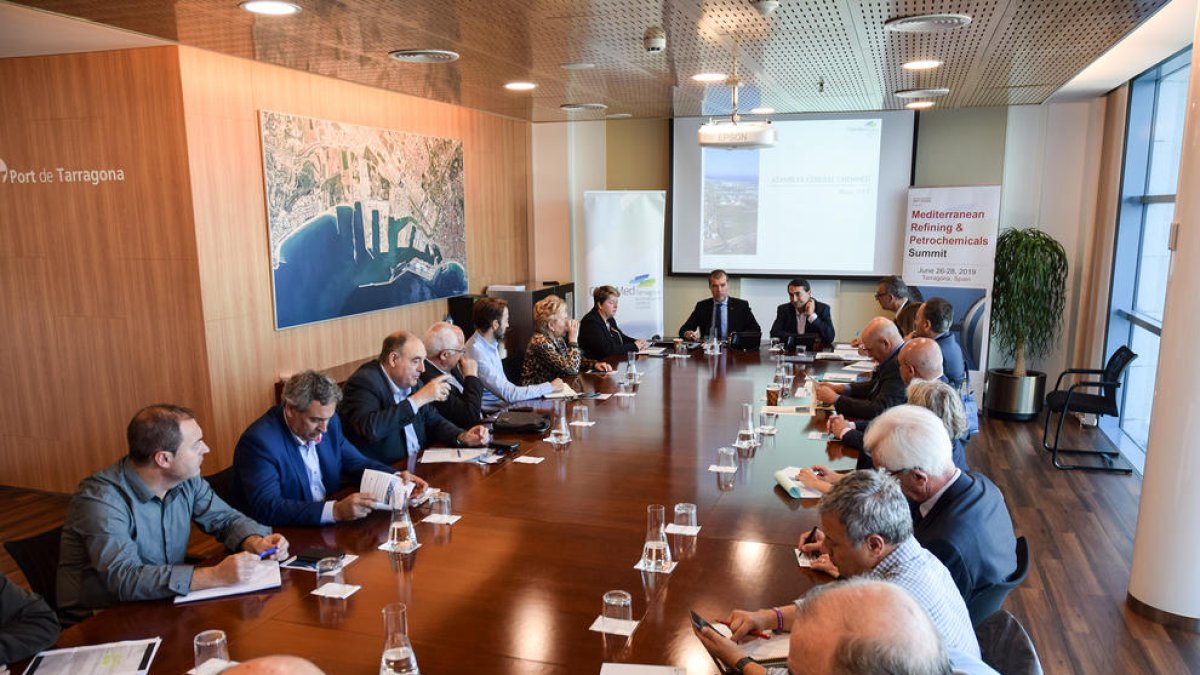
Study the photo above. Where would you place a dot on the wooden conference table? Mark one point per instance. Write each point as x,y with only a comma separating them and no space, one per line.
515,584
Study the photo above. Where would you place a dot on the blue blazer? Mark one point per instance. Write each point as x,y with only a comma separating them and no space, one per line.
953,364
970,531
270,482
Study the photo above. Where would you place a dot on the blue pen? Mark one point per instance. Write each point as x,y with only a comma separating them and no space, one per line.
271,551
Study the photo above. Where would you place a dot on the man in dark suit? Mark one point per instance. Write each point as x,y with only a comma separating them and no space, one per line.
599,337
387,417
446,352
720,315
291,459
895,296
802,314
866,400
958,516
933,321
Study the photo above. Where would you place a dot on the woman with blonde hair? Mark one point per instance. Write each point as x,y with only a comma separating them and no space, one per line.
554,348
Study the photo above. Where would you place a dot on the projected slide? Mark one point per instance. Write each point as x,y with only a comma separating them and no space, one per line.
808,203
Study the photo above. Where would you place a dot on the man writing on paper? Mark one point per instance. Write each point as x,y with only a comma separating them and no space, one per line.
446,351
490,316
126,531
389,421
802,314
292,458
719,315
865,400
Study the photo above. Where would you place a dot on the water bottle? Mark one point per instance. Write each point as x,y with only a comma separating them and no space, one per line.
398,657
656,554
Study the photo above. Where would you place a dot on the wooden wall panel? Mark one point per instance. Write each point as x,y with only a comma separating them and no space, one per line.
222,99
98,283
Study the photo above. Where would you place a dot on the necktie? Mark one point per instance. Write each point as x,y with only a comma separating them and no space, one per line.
719,322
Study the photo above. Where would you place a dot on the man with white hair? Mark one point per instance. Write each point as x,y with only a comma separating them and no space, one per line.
865,400
960,516
446,355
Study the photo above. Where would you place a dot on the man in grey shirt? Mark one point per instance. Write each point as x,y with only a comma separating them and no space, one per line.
127,527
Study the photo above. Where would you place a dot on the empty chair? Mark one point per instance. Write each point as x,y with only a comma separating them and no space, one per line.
1074,399
37,556
1006,646
988,602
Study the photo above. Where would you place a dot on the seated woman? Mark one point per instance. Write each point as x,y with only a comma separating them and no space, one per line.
939,397
549,355
599,336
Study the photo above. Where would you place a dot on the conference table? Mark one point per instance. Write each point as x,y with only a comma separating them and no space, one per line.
514,586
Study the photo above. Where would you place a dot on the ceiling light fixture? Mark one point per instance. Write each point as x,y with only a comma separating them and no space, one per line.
520,86
922,64
762,111
922,93
583,107
710,77
734,133
577,66
271,7
424,55
919,105
619,116
926,23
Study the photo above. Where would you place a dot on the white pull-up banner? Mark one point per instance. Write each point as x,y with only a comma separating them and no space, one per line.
623,247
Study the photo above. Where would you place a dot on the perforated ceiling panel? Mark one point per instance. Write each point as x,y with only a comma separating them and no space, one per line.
811,55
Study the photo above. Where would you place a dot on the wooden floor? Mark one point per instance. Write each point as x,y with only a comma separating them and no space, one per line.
1079,526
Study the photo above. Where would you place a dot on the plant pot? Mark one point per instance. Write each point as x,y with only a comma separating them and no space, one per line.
1015,398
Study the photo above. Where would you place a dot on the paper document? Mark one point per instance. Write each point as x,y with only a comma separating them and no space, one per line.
686,530
439,519
336,590
820,436
638,669
802,559
526,459
839,376
565,392
115,658
450,455
383,487
266,576
775,648
788,409
722,469
795,490
862,366
652,351
613,626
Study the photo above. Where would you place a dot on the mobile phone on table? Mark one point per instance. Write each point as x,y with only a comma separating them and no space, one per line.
699,622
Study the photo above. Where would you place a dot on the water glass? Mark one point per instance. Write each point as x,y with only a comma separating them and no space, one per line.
579,414
726,457
210,644
439,504
766,423
618,605
626,387
785,390
329,571
680,348
685,514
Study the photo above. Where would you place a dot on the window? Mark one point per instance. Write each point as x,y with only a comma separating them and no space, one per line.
1142,260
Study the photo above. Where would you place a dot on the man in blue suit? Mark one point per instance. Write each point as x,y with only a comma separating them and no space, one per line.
958,516
290,460
933,321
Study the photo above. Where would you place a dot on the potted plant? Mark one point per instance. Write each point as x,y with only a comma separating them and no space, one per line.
1028,299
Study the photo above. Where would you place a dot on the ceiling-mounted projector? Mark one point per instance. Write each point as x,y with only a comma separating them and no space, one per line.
731,135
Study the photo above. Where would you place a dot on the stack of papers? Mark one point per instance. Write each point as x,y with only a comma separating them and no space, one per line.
451,455
127,658
565,392
266,576
652,351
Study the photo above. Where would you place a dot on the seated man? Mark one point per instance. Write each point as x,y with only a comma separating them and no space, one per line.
895,296
126,532
830,637
933,320
446,351
866,530
388,421
865,400
490,316
289,460
599,337
961,516
719,315
802,314
27,624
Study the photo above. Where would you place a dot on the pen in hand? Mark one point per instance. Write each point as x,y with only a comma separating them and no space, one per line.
811,535
269,552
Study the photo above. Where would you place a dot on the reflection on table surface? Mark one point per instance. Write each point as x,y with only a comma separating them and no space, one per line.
515,584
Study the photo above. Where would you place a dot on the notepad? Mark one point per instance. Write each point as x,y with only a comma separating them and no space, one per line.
265,576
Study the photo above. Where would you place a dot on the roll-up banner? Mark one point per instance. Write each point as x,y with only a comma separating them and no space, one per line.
950,252
623,247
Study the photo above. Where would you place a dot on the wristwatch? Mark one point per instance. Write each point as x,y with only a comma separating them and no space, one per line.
740,666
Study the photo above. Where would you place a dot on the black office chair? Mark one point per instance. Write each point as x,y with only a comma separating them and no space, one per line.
988,602
221,483
1006,647
37,557
1066,401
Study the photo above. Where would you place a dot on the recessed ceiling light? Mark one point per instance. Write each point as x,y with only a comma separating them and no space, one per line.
923,64
922,93
576,66
709,77
520,86
424,55
919,105
619,116
583,107
926,23
762,111
270,7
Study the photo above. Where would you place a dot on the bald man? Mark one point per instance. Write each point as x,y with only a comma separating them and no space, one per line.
445,354
866,400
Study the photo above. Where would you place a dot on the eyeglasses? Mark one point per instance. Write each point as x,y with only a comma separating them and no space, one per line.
898,472
880,296
460,350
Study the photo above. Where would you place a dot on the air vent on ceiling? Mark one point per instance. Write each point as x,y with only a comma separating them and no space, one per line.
583,107
927,23
424,55
922,93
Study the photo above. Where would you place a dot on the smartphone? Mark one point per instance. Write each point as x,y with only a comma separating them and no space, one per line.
502,447
315,553
698,622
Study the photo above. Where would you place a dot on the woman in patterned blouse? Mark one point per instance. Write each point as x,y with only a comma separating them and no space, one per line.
549,355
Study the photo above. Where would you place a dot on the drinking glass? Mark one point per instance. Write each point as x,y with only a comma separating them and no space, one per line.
630,363
656,554
685,514
618,605
210,644
774,344
785,390
726,457
329,571
398,657
625,387
773,393
746,436
680,348
579,414
561,433
402,535
766,423
440,504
